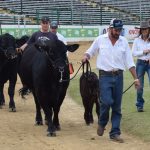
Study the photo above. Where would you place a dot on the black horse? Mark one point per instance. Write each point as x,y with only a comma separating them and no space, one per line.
8,68
43,67
89,90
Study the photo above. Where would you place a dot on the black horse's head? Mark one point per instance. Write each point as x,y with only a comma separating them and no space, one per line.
7,46
56,51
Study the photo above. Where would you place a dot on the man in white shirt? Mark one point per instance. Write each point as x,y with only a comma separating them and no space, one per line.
54,28
113,57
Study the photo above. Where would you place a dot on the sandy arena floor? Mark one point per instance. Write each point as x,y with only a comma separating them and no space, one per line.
17,130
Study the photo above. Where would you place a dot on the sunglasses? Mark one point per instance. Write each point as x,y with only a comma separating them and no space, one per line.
53,27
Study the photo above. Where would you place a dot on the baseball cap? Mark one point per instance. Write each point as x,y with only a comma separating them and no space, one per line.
116,23
54,24
45,19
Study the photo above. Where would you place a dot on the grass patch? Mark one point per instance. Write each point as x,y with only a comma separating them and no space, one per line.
133,122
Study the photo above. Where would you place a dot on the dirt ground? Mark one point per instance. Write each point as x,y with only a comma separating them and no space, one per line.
17,130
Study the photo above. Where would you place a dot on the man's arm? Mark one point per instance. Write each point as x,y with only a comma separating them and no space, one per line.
20,49
24,46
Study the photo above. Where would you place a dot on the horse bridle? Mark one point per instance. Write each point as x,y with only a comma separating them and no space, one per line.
54,64
5,53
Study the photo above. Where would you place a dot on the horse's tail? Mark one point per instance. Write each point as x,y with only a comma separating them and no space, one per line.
24,91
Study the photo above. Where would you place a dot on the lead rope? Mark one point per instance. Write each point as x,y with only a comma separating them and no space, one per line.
74,75
132,84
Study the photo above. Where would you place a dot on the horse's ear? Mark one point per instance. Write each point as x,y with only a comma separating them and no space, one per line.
72,47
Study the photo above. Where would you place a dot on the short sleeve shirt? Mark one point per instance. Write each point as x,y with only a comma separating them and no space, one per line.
39,35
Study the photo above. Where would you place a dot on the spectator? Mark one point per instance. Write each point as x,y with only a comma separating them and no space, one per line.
54,28
141,50
43,33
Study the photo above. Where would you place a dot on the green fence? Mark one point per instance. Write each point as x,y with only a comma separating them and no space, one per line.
67,32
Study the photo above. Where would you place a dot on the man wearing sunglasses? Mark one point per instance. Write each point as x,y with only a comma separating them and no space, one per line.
54,28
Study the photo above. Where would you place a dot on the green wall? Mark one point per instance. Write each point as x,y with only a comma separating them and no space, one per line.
67,32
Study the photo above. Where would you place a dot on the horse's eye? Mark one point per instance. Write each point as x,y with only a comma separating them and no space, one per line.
51,53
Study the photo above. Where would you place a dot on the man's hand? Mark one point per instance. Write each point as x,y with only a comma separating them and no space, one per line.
137,83
146,51
19,50
85,58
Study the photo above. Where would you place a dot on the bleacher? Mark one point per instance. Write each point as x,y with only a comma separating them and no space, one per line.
139,8
74,12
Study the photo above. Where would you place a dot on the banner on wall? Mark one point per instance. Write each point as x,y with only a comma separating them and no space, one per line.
67,32
79,32
20,31
73,33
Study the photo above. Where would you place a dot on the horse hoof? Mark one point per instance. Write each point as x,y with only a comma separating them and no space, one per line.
3,103
58,128
12,109
38,123
92,121
51,134
88,124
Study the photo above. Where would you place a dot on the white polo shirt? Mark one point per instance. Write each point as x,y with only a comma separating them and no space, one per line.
139,45
110,57
61,38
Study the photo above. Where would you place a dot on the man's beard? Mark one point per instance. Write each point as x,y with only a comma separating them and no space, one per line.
115,36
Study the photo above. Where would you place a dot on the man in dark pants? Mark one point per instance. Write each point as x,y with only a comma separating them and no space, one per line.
114,56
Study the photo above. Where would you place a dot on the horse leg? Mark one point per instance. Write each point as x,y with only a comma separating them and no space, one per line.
86,110
2,99
11,90
56,118
56,108
97,108
48,113
38,118
43,99
91,110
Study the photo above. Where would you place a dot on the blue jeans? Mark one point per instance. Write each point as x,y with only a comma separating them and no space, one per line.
111,89
141,68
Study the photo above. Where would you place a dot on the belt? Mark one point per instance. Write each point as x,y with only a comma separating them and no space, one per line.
144,61
110,73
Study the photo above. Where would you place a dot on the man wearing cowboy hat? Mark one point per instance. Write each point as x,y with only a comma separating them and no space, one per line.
113,57
141,50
